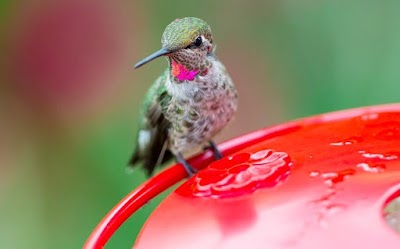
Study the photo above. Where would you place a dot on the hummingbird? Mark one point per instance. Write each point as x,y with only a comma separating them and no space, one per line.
192,101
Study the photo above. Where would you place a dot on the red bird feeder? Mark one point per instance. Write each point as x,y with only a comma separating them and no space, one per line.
319,182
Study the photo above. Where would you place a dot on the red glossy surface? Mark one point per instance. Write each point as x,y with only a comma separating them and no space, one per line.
320,182
238,175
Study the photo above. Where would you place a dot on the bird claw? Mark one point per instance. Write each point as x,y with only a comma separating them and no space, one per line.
190,170
217,154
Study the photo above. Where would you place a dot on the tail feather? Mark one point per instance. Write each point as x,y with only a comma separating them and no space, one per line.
155,154
134,159
149,162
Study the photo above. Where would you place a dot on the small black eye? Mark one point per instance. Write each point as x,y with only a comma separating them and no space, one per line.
198,41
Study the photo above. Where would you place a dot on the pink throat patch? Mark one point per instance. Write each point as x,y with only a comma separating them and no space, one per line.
182,73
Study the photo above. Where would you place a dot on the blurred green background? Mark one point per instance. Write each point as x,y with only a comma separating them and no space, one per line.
69,97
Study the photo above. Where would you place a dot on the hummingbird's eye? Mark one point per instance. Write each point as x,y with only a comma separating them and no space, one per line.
198,41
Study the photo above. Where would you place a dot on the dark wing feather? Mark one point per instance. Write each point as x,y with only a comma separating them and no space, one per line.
154,124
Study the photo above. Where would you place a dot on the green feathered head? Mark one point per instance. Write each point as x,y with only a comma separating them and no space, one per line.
181,33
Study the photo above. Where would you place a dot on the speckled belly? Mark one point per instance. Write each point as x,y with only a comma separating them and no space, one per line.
194,125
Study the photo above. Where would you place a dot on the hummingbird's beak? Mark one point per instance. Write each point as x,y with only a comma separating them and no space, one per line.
153,56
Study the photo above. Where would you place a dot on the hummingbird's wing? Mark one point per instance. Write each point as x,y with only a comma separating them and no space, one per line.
151,145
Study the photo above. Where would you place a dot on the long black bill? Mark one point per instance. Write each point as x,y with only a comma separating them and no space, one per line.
153,56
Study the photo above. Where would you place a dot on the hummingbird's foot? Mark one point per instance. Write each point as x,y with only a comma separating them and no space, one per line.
217,153
190,170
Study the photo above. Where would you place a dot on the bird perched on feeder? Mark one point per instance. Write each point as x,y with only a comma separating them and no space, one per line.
189,103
